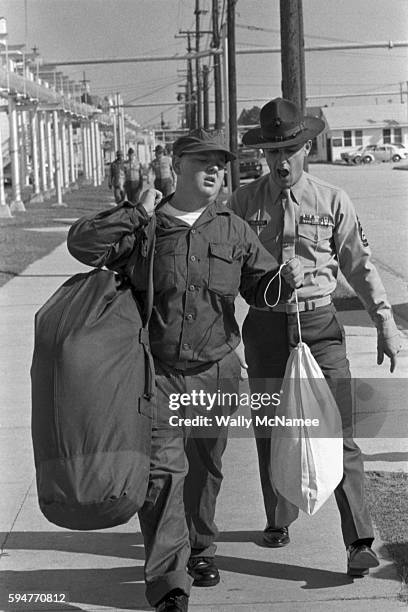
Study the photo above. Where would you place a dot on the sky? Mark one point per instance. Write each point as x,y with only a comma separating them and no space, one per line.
100,29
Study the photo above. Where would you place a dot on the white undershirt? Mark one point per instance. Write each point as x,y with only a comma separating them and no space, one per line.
188,217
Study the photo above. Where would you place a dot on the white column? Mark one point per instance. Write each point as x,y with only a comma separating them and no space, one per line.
57,160
64,153
16,202
85,133
83,143
93,153
99,156
89,150
37,197
72,175
4,209
115,132
50,154
43,154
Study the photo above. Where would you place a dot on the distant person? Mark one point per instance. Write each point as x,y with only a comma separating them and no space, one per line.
164,176
117,177
134,177
297,215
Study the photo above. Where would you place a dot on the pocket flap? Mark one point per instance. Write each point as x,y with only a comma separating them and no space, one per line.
222,251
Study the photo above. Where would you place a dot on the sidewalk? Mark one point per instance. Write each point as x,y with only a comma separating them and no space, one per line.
103,570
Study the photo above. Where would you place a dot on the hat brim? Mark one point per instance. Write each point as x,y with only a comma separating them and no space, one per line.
204,148
313,127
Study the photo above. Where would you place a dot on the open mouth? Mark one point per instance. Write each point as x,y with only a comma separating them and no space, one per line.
209,179
283,172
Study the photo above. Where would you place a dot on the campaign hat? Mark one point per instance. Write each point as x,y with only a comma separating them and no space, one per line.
282,125
200,141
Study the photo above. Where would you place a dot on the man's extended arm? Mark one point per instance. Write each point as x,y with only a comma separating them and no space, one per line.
108,238
355,262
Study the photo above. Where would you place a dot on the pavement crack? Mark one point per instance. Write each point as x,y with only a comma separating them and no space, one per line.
380,264
4,543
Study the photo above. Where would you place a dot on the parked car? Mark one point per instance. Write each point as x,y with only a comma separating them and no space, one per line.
378,152
249,163
355,155
384,152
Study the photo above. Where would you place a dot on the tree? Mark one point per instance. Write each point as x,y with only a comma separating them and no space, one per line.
249,117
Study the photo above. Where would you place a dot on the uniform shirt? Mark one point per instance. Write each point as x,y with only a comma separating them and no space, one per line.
162,167
117,173
133,170
328,237
198,272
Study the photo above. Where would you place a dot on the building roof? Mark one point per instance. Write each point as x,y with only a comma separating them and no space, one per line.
360,117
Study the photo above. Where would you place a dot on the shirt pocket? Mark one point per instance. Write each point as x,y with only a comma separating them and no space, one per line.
225,269
315,238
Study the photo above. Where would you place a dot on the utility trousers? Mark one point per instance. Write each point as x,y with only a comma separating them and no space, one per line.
177,518
268,338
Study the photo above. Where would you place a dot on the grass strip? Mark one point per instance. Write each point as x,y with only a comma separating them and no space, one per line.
20,246
387,499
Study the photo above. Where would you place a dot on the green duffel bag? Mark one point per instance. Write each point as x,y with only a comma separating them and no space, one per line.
93,400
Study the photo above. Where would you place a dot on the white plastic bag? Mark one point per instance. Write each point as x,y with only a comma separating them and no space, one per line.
305,467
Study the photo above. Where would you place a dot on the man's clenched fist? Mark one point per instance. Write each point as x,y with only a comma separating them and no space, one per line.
292,272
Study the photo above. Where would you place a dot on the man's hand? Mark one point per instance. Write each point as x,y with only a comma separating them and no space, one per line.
292,272
390,346
240,353
149,200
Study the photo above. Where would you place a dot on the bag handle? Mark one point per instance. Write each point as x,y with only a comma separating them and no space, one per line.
151,239
144,332
298,317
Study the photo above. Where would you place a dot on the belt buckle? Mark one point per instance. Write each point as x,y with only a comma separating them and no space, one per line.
310,305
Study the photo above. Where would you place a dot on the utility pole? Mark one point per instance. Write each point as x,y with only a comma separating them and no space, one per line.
85,87
206,109
292,52
232,93
197,13
217,67
293,55
190,106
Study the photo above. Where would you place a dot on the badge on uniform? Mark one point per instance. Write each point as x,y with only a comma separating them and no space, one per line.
322,220
362,234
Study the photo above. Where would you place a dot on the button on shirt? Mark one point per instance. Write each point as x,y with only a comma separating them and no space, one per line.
329,237
198,272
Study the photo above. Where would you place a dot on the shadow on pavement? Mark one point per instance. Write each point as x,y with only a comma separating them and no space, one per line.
348,303
123,587
401,311
115,588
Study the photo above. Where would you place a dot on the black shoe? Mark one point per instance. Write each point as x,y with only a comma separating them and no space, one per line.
174,601
360,558
204,571
276,537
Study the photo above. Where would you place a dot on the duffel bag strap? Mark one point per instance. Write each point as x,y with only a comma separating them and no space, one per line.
151,244
144,332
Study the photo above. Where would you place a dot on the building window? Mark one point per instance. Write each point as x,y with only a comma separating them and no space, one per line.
386,136
347,138
358,135
397,136
337,142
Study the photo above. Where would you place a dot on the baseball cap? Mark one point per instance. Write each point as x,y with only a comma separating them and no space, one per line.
200,141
